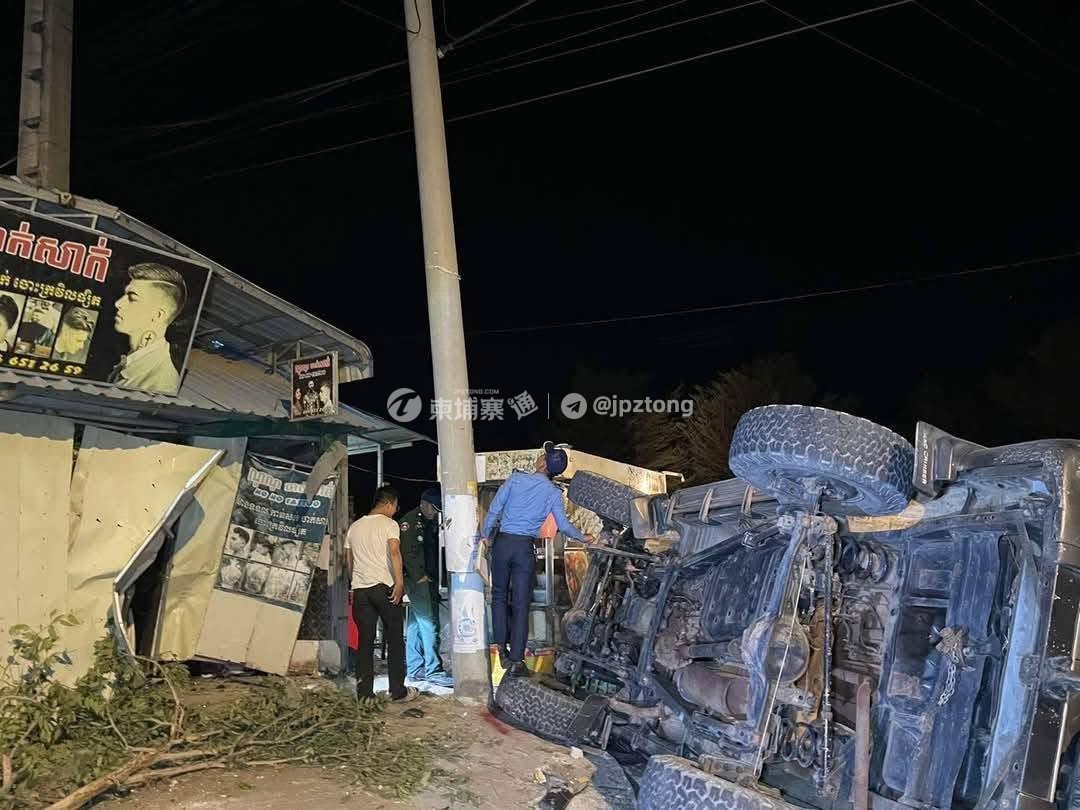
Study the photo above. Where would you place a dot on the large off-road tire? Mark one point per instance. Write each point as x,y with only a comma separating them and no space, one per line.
789,450
673,783
537,708
607,498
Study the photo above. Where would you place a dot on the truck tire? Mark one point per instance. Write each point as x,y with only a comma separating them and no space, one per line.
673,783
789,450
537,708
607,498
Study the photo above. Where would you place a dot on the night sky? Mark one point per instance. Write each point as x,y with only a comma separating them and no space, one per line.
944,142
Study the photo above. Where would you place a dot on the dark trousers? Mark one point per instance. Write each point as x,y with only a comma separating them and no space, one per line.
370,605
512,569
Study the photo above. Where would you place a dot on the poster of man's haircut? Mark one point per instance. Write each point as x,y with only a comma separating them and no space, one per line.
272,545
94,307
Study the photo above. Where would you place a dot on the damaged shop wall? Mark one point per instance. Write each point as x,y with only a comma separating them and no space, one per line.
193,566
121,489
68,534
35,476
255,621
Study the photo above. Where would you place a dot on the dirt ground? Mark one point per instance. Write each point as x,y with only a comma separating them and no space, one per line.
501,768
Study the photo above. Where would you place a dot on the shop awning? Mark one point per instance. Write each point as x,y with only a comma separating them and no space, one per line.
217,397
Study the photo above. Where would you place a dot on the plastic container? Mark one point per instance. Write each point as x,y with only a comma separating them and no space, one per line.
538,662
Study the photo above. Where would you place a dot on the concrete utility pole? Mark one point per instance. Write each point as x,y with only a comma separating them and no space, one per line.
45,101
457,460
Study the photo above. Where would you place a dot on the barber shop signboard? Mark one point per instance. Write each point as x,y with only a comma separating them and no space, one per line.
314,387
275,534
80,304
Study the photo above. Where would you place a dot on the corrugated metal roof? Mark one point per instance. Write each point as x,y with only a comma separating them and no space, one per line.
239,386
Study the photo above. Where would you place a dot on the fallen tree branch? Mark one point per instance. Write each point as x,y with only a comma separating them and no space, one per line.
167,773
275,722
180,756
109,717
305,733
275,761
75,800
9,777
195,738
18,699
178,712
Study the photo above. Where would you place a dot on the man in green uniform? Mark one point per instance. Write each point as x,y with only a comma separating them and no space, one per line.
420,554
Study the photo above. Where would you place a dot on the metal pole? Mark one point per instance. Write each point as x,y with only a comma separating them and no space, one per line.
457,460
826,696
337,575
44,156
860,781
378,466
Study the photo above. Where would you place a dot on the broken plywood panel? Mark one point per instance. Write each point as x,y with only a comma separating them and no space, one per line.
272,639
246,631
121,488
227,628
193,569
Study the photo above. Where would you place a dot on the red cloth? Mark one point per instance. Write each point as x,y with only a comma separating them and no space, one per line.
354,631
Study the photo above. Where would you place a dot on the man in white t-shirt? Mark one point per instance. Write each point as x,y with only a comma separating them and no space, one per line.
378,585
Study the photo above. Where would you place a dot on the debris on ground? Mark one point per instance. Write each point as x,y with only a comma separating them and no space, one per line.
127,723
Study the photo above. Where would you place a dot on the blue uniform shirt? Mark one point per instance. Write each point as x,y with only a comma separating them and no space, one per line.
523,503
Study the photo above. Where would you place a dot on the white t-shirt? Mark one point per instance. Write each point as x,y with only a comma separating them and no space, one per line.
370,554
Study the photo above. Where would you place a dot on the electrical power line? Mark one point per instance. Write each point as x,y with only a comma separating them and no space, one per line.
783,299
568,90
902,73
484,26
303,93
582,48
387,475
975,41
314,153
580,13
683,61
310,92
1024,34
465,76
368,12
446,21
578,35
244,130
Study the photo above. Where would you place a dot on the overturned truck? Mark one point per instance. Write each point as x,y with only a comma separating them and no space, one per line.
809,635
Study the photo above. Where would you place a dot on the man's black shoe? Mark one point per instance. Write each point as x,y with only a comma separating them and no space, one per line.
517,669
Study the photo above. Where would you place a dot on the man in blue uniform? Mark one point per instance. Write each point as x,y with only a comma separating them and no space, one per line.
520,508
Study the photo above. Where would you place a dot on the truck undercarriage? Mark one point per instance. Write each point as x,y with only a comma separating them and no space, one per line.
805,635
